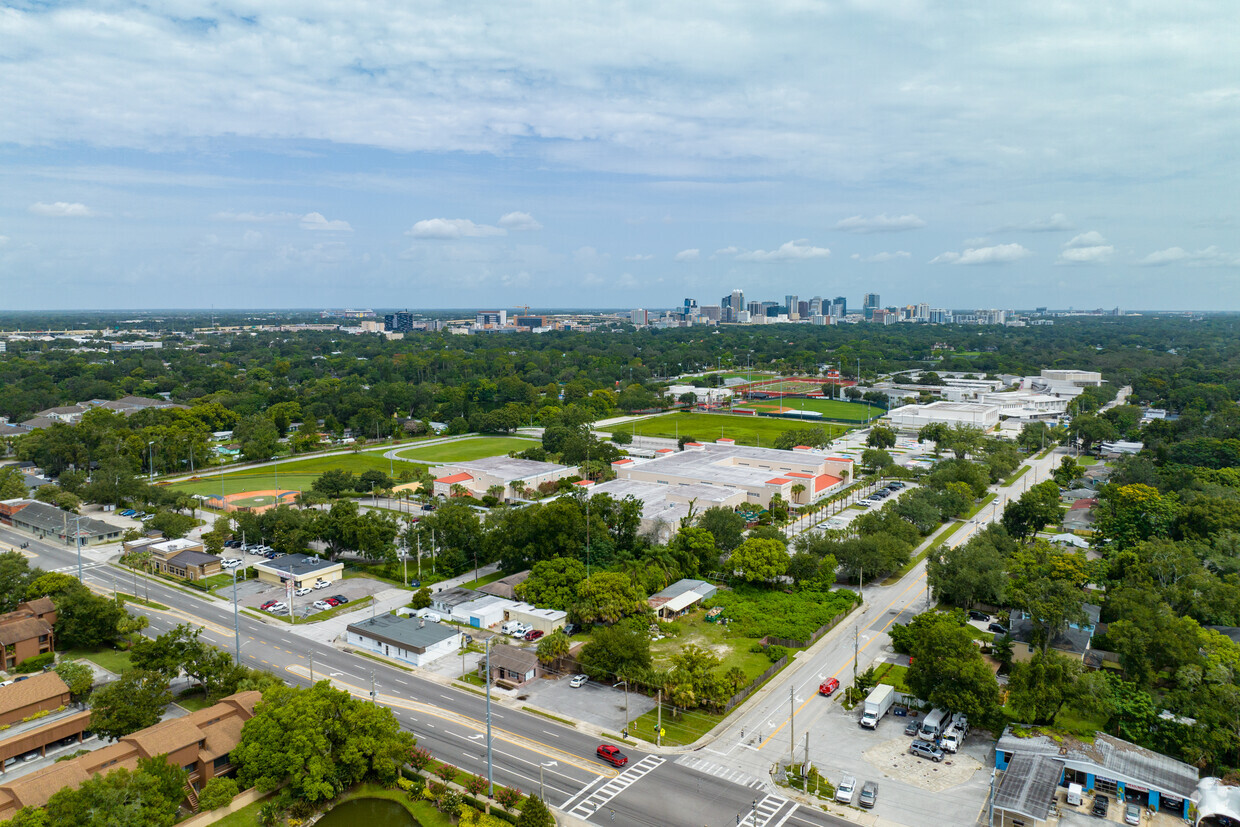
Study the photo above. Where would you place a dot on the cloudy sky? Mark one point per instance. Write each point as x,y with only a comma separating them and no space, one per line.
384,154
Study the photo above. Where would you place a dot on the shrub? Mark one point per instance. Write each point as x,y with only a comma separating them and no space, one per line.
36,663
449,802
476,785
419,757
219,792
447,772
774,653
508,797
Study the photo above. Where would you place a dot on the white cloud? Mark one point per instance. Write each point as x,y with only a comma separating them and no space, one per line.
1086,248
316,221
452,228
62,209
998,254
788,251
517,221
881,223
1209,257
879,258
255,217
1093,238
728,251
687,255
1058,222
639,257
4,239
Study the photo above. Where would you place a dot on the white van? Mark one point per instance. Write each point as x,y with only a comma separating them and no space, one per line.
511,627
933,725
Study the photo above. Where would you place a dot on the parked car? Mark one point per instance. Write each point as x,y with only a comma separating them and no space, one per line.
571,629
869,795
533,635
519,630
974,614
846,789
330,601
1132,813
997,628
128,512
925,749
828,686
303,591
612,755
1101,805
230,563
911,728
278,607
321,605
340,598
267,605
321,584
578,681
413,584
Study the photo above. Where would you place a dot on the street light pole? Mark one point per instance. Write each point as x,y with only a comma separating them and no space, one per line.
490,777
236,621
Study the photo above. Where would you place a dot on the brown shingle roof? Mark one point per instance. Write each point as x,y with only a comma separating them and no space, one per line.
513,658
40,605
165,737
222,737
38,688
35,789
23,628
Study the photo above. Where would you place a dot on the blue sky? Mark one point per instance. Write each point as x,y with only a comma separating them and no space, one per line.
280,154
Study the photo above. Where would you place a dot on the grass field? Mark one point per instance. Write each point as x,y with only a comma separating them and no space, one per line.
829,408
746,430
112,660
466,449
295,475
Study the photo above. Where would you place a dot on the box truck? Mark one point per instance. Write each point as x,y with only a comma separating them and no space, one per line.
877,704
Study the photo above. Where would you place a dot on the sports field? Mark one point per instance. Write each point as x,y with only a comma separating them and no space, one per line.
296,475
746,430
466,449
829,408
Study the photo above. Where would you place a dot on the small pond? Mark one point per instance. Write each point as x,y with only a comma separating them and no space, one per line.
372,812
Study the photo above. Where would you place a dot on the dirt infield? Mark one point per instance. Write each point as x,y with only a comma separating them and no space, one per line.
253,501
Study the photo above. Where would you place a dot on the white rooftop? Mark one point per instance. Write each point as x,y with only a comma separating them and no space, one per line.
507,468
735,465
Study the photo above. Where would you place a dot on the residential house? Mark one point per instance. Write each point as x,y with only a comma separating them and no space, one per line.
37,713
200,743
505,586
1080,516
26,632
1072,641
513,666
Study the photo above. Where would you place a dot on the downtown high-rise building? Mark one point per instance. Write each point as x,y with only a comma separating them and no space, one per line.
839,307
870,303
732,306
790,305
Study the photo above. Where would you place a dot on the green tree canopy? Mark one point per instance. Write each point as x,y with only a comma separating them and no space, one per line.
759,561
134,702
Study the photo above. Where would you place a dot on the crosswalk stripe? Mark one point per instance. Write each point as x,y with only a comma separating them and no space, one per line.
590,804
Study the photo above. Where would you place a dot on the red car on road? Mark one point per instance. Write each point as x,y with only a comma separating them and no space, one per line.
533,634
828,686
612,755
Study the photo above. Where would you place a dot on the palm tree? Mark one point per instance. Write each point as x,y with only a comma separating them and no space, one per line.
553,647
797,491
496,491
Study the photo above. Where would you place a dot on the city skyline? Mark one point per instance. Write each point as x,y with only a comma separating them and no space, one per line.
969,156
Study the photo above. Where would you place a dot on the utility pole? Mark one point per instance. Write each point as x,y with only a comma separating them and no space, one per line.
312,669
792,724
805,765
77,535
236,622
658,733
856,653
490,776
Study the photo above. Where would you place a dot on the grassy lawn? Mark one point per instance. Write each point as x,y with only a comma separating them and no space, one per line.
245,817
732,651
112,660
423,811
680,730
295,475
1016,476
193,701
985,502
893,675
482,581
829,408
746,430
1086,461
466,449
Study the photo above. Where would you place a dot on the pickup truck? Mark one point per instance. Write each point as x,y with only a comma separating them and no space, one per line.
612,755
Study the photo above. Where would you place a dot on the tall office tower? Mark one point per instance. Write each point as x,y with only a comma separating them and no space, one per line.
870,303
639,317
815,306
691,308
839,307
755,309
389,321
923,312
771,309
940,315
803,309
790,304
737,304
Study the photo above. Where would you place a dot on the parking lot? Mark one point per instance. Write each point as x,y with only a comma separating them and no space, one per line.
839,747
252,593
596,703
